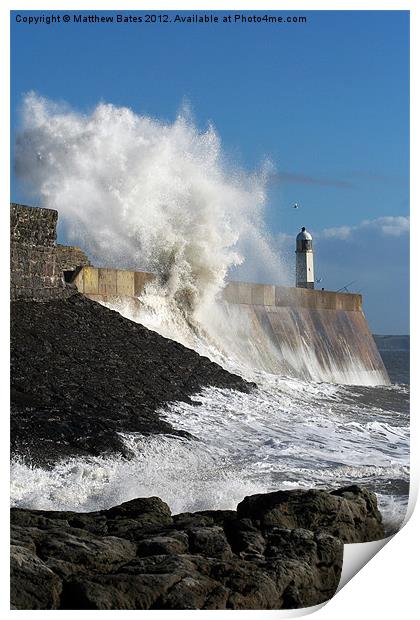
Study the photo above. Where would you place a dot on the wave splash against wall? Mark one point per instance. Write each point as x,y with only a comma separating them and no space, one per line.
139,193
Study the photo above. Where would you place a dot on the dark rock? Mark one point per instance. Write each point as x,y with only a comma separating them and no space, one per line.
83,550
192,519
115,591
163,545
291,555
137,556
140,507
21,537
81,374
33,584
366,516
210,542
249,585
350,513
245,538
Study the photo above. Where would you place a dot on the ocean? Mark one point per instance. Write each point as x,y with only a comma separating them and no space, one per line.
171,201
287,433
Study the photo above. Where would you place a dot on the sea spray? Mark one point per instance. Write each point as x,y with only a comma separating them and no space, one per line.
139,193
286,434
234,337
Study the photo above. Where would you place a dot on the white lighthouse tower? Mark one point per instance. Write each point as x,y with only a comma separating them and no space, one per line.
305,275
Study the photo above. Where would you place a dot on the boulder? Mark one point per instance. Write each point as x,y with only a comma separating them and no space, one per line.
350,513
33,585
279,550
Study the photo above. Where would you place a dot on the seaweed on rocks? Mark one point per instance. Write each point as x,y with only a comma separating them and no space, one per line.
81,374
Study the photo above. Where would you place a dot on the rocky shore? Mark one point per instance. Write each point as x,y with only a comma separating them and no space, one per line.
276,551
81,374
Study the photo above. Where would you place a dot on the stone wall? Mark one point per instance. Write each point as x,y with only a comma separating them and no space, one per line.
70,257
34,274
36,264
33,226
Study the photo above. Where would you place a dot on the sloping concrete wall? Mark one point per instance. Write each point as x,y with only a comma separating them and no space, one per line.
317,344
316,335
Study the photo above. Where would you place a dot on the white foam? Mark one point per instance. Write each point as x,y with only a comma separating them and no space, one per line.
246,443
143,194
183,473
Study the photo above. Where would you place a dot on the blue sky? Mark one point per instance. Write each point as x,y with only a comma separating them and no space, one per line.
327,102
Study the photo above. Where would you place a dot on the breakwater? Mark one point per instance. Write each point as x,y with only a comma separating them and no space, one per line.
310,334
90,385
315,335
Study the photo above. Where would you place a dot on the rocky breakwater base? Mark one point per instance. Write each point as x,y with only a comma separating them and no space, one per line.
276,551
81,374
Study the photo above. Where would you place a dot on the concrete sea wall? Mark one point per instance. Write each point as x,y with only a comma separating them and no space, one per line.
102,283
317,344
315,335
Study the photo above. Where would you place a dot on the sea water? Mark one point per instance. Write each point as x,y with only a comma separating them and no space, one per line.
136,192
285,434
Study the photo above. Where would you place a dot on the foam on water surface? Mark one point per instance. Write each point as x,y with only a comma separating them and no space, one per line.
142,194
301,437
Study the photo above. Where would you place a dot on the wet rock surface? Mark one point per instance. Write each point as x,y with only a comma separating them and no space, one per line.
81,374
138,556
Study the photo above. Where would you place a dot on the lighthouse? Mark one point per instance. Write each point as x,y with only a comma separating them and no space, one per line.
305,276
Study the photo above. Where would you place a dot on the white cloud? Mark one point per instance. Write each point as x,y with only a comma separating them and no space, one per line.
388,225
285,238
341,232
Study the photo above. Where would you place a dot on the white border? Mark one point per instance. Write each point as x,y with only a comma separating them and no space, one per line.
387,585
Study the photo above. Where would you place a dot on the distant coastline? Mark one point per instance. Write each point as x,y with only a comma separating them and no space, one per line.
392,343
